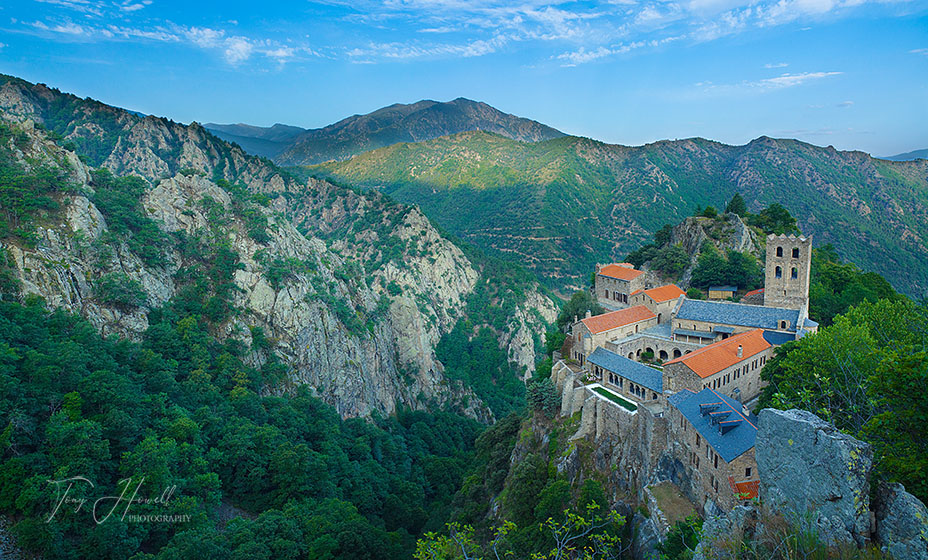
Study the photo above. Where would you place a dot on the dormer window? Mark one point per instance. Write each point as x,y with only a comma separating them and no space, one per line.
784,324
778,272
796,252
779,251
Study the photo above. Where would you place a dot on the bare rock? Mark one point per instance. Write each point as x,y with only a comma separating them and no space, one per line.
901,523
808,467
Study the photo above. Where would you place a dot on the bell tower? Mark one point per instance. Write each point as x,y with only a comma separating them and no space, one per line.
786,271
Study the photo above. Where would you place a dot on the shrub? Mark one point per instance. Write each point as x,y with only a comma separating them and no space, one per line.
119,290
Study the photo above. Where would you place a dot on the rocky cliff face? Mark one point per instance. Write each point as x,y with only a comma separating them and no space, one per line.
356,317
728,233
814,475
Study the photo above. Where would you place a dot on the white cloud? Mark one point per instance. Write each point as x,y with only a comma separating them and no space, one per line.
923,52
790,80
845,104
771,65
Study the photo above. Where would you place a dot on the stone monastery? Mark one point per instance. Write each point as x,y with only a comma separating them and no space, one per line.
690,407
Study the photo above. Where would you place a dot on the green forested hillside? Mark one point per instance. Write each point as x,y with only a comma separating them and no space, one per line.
562,205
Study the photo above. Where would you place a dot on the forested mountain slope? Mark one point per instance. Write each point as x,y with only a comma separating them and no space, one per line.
415,122
201,219
562,205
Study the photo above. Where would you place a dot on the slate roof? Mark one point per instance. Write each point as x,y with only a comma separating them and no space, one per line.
616,319
723,288
700,334
809,323
629,369
717,356
778,338
728,313
741,429
621,272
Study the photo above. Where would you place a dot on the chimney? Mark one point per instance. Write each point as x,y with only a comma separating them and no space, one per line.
589,313
740,351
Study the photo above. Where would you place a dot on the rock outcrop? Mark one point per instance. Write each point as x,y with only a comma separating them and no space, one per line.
806,466
901,523
353,252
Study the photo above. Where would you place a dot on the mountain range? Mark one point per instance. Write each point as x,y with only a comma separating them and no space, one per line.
562,205
356,290
415,122
907,156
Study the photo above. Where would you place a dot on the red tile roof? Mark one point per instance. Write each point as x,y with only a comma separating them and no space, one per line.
663,293
616,319
712,359
623,271
745,490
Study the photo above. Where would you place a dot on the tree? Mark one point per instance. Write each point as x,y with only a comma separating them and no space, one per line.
737,205
866,374
579,303
774,219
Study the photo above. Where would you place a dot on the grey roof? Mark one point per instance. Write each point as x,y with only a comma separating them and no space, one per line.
739,314
629,369
723,288
700,334
732,443
778,338
727,330
809,323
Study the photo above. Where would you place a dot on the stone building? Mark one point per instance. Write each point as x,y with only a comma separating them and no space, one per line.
730,367
615,283
709,321
593,332
661,301
714,438
786,272
635,380
722,292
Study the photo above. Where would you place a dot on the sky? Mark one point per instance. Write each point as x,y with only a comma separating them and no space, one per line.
847,73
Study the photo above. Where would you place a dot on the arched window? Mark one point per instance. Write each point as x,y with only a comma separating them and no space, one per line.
779,251
795,252
778,272
794,273
676,353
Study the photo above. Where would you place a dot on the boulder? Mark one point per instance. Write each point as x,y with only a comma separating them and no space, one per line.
901,523
808,468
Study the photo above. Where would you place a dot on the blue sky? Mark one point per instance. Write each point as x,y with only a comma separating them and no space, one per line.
848,73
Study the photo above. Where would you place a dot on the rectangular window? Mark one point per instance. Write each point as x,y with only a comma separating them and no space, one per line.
715,460
697,441
747,472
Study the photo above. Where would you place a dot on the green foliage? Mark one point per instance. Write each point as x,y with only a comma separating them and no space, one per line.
695,293
26,195
10,285
119,200
279,269
682,538
118,289
737,205
836,286
708,212
736,269
481,364
542,395
866,373
245,205
617,399
671,260
774,219
583,534
577,306
182,408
